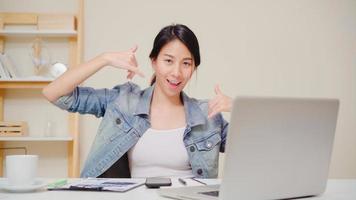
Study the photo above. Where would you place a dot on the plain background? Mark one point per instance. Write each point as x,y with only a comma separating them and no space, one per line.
294,48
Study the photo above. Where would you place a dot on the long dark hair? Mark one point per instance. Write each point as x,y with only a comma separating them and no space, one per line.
180,32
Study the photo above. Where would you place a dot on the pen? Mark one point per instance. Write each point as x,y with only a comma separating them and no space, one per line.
193,178
182,181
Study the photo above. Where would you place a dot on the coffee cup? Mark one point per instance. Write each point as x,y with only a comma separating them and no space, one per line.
21,170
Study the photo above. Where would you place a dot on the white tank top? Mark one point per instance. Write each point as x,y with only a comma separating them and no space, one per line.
160,153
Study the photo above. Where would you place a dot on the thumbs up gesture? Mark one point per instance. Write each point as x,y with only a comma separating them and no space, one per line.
220,103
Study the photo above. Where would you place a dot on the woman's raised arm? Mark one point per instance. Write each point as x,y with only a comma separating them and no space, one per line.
67,82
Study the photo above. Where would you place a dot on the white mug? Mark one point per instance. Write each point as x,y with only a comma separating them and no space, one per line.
21,169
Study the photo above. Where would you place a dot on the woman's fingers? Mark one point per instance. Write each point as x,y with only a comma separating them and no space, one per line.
135,70
125,60
134,49
213,105
213,102
217,90
221,103
130,75
215,110
217,99
133,57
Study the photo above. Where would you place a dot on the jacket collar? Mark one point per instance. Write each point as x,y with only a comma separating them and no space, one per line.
194,115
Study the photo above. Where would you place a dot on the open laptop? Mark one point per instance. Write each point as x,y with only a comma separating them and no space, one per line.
276,148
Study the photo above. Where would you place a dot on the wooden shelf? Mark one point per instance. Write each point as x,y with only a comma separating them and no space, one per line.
41,33
37,138
24,83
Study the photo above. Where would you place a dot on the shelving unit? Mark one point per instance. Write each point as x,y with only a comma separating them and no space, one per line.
23,84
75,42
36,139
38,33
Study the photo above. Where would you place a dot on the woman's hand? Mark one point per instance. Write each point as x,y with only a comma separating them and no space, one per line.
124,60
220,103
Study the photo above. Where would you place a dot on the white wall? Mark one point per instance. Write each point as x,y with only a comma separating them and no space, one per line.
303,48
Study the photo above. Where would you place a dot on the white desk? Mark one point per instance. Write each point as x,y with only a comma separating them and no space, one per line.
336,190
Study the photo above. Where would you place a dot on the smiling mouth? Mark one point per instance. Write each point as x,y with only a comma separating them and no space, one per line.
173,83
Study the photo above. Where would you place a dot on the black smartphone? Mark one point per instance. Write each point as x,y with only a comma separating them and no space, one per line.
155,182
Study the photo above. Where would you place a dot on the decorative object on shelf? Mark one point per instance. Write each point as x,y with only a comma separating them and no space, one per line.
40,57
14,148
56,69
1,23
48,131
13,128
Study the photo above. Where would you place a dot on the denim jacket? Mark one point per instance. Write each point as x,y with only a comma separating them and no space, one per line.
125,111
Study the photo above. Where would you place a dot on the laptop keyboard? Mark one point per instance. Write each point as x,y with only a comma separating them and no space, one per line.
211,193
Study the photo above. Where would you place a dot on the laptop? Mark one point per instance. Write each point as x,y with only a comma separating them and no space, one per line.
277,148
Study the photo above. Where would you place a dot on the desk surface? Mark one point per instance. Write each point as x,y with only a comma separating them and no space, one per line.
342,189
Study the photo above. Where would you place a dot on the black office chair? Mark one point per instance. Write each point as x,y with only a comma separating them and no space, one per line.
120,169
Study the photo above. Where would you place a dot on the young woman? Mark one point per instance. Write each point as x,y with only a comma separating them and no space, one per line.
158,131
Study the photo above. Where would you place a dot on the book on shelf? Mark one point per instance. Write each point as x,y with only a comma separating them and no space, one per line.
3,73
8,66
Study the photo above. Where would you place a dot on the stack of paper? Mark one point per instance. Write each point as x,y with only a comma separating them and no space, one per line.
100,184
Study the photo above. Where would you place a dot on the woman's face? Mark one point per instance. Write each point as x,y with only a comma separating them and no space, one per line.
173,67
